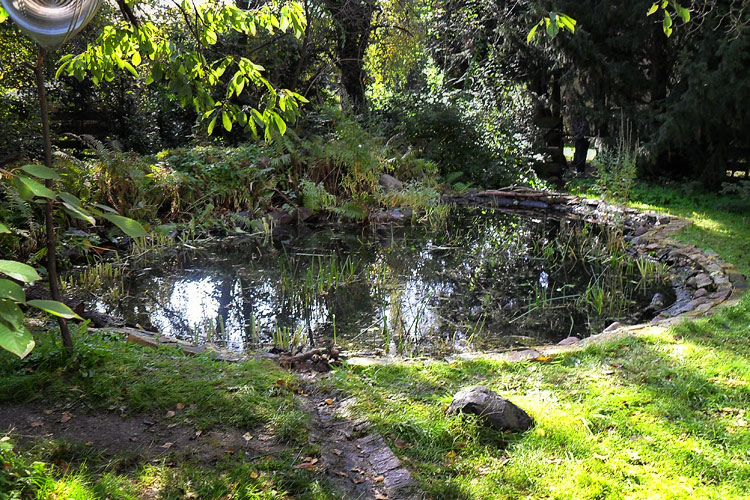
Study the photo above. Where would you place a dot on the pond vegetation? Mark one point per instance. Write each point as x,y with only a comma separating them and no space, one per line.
274,178
486,280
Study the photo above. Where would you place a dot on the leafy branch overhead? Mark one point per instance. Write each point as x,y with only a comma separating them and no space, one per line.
662,5
204,76
14,336
552,25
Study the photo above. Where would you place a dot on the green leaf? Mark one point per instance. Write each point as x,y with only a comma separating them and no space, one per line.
682,12
136,59
36,188
69,199
4,228
212,124
106,208
130,68
11,313
54,308
279,123
3,15
531,34
653,9
553,29
22,189
16,340
78,213
127,225
11,290
41,172
568,22
19,271
226,121
667,24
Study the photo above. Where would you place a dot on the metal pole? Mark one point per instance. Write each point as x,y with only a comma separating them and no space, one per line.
48,209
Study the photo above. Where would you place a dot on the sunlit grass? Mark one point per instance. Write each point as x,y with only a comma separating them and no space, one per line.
636,418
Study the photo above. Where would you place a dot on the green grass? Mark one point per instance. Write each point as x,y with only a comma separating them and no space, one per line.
720,223
661,415
108,374
42,472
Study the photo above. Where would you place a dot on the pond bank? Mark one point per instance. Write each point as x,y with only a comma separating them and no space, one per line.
700,278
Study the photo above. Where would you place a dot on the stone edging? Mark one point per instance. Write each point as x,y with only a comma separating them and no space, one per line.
702,283
712,283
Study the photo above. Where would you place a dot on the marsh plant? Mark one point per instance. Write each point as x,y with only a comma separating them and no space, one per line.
617,166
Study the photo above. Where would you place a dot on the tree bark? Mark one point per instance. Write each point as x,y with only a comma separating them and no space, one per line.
353,20
49,220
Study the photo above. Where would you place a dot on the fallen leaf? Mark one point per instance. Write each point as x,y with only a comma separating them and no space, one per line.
329,401
48,412
180,406
342,474
254,475
305,465
66,416
89,443
380,496
450,454
198,433
172,426
169,414
336,451
247,436
357,470
358,480
543,359
37,423
167,446
379,479
265,437
229,451
402,444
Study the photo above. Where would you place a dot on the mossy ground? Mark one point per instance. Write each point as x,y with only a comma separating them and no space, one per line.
661,415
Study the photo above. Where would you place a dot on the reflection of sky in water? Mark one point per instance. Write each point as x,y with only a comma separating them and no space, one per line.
423,288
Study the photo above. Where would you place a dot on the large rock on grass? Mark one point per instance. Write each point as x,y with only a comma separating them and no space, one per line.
496,411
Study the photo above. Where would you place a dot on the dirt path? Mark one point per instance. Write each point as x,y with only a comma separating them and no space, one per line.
108,432
357,460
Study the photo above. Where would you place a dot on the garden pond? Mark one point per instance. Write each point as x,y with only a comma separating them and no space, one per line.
478,280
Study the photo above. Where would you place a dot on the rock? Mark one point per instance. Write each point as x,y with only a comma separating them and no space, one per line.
613,326
657,302
569,341
640,231
495,411
390,183
702,292
703,280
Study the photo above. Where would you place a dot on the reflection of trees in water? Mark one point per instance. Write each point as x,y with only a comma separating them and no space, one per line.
481,270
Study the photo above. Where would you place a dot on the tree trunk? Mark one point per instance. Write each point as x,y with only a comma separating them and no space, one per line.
49,207
353,20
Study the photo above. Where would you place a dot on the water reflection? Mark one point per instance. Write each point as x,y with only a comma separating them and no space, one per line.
488,280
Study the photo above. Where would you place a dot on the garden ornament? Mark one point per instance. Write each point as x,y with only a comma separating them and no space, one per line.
51,23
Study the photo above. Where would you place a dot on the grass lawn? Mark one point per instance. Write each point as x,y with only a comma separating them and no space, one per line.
662,415
658,416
